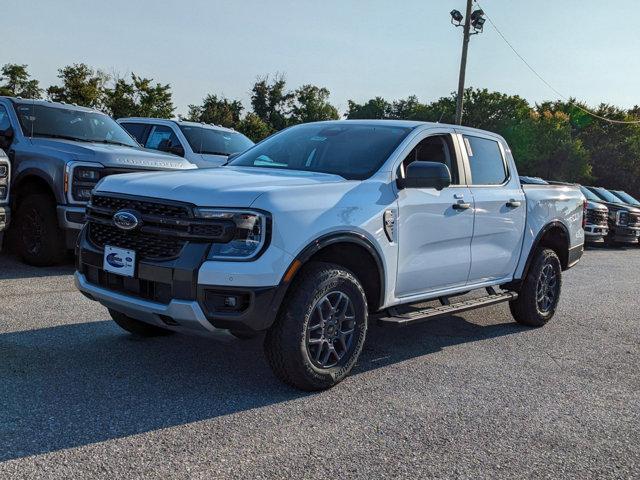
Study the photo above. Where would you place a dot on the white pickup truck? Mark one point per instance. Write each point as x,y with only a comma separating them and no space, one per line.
318,229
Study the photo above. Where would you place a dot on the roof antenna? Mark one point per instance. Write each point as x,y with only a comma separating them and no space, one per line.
33,117
441,115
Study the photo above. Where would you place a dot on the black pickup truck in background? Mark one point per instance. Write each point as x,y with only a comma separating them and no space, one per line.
624,219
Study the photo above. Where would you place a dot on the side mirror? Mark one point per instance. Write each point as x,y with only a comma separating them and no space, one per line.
425,175
6,137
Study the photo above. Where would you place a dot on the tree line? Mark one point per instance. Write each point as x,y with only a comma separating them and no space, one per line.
555,140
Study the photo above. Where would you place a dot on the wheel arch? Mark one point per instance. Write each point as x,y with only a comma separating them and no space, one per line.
554,235
31,181
355,252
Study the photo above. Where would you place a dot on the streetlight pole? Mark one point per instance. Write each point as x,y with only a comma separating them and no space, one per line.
473,20
463,62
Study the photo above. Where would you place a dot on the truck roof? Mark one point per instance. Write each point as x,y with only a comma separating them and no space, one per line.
47,103
166,121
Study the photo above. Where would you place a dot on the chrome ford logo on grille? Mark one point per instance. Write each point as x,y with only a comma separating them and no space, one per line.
126,220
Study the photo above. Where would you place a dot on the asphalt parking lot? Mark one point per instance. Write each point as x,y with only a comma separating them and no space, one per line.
473,396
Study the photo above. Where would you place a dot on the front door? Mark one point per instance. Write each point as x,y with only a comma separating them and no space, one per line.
434,227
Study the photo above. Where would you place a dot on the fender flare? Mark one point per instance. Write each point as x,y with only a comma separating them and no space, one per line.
356,238
536,242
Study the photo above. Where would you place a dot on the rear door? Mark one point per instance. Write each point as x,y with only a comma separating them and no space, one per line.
500,210
434,227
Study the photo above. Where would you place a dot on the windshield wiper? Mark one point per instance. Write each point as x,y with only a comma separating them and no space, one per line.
215,153
62,137
110,142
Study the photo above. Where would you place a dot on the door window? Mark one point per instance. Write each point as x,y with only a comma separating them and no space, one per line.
136,130
486,161
158,134
435,148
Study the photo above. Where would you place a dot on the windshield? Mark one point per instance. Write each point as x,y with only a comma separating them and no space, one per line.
353,151
78,125
215,142
605,195
625,197
589,195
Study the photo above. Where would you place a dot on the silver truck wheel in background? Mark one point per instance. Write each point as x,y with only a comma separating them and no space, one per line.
540,291
320,330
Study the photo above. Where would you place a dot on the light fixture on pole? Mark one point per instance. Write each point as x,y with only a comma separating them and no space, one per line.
473,20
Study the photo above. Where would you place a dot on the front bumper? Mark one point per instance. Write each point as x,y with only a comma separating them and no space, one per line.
625,234
169,293
595,233
71,220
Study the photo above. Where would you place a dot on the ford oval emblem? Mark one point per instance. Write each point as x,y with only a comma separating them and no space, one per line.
126,220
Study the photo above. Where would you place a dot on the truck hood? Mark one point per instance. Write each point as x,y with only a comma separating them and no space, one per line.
614,207
214,187
596,206
112,155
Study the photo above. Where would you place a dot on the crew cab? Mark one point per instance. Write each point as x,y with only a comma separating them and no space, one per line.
200,143
58,153
5,211
323,226
624,220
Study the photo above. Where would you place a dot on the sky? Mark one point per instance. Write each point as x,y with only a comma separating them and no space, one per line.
358,49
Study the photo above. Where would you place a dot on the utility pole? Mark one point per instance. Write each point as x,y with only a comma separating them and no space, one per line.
476,21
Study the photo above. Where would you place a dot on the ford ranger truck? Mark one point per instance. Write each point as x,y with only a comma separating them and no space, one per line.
316,230
58,153
5,212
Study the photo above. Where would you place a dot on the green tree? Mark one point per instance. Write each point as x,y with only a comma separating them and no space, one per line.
311,104
254,127
81,85
375,108
219,111
18,83
139,98
271,102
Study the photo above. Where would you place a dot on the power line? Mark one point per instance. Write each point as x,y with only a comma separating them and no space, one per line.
630,122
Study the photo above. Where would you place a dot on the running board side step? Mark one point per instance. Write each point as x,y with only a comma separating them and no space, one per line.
394,318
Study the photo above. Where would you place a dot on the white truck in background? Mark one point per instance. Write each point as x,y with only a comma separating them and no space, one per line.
318,229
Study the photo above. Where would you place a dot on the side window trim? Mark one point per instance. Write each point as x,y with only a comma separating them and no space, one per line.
457,153
463,144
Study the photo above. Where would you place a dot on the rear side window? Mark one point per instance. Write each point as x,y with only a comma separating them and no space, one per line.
136,130
486,161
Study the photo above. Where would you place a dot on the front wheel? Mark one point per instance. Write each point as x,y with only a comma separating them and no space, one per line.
540,291
319,333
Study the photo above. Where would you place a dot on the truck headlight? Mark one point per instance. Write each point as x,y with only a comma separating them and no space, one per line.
83,179
250,235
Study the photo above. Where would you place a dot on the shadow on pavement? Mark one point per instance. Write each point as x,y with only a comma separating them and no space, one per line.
79,384
11,267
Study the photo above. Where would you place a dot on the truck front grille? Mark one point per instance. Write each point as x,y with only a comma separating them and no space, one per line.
634,220
596,217
166,227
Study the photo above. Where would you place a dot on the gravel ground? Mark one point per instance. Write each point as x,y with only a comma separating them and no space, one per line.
470,396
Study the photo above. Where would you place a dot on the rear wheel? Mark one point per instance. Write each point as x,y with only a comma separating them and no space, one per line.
319,333
540,291
137,327
36,235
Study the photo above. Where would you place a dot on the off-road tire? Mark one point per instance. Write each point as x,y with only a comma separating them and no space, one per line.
136,327
286,342
35,234
525,309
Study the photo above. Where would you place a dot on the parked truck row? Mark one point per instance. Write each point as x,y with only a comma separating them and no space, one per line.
58,153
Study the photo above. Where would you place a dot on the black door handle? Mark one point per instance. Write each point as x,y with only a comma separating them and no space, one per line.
513,203
461,206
